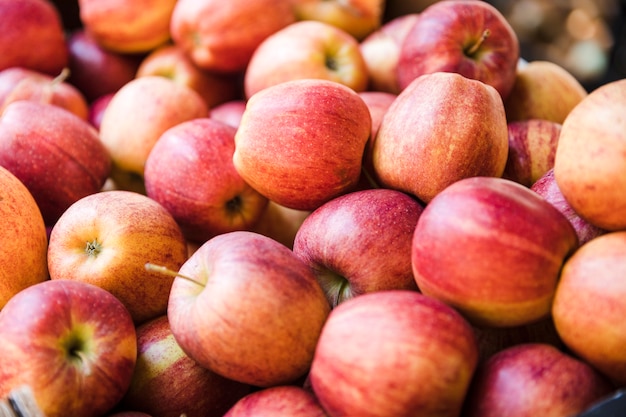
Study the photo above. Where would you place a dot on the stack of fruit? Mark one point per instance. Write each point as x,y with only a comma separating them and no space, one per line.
299,208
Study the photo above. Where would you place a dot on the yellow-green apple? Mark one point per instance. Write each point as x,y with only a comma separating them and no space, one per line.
20,83
97,108
590,161
306,49
493,249
283,400
229,112
424,145
534,379
280,223
301,142
222,36
378,102
140,112
168,383
254,312
32,36
106,239
547,187
469,37
359,18
381,52
360,242
97,71
543,90
74,344
56,154
23,238
171,61
394,353
532,146
190,172
589,305
127,26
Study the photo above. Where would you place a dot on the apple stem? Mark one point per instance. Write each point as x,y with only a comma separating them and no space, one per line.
166,271
474,47
49,90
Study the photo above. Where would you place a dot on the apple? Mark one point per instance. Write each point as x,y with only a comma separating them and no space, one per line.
190,172
280,223
253,312
23,238
469,37
378,102
56,154
360,242
589,304
229,112
306,49
167,382
301,142
534,379
284,400
106,238
543,90
381,52
32,36
74,344
127,27
97,108
222,36
394,353
532,146
590,161
493,249
424,145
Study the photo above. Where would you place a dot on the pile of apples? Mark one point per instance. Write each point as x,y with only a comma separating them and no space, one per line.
296,208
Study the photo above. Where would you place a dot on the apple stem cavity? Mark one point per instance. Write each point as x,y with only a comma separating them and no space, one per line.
166,271
476,45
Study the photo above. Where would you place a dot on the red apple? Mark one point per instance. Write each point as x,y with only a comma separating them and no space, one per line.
301,142
229,112
284,400
394,353
97,108
74,344
255,313
190,172
469,37
424,145
493,249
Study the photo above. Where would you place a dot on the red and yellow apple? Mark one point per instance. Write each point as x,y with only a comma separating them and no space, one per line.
286,400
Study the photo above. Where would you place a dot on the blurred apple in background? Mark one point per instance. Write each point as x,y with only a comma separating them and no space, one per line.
280,223
469,37
378,102
23,238
106,239
306,49
97,108
255,313
301,142
284,400
394,353
590,304
190,172
422,146
74,344
33,36
508,245
56,154
168,383
229,112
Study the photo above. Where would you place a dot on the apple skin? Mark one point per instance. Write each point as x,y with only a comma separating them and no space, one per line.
591,174
422,146
256,314
469,37
63,338
360,242
280,223
97,108
168,383
28,26
589,305
190,172
106,239
534,379
393,353
56,154
23,237
508,245
301,142
222,36
284,400
306,49
229,112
